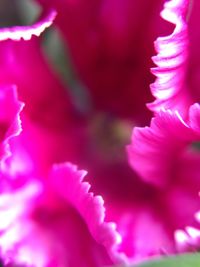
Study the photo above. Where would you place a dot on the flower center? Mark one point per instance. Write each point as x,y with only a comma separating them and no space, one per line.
109,137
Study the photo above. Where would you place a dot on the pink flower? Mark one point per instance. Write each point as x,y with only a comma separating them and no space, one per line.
60,221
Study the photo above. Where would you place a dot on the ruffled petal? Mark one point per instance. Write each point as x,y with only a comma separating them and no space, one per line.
10,124
154,149
63,223
165,157
139,211
22,63
17,33
170,89
90,207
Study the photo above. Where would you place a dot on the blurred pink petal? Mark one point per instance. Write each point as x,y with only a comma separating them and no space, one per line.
154,149
165,156
147,216
137,209
51,124
10,125
57,222
177,56
22,63
188,239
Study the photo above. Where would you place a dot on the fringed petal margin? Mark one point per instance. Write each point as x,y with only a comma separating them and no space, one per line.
90,207
165,155
154,149
10,124
57,217
169,88
26,32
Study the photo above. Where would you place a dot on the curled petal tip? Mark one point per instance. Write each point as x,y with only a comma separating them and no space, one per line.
169,88
175,10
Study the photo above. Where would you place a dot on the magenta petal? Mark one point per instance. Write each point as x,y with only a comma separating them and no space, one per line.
60,221
165,157
169,88
26,32
188,239
154,149
22,63
50,121
90,207
10,125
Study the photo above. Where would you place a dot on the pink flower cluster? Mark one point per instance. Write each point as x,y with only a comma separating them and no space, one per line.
137,201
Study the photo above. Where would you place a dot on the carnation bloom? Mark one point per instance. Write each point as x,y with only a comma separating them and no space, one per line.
113,59
61,223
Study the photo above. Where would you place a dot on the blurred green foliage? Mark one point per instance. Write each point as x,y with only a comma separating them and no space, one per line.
185,260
